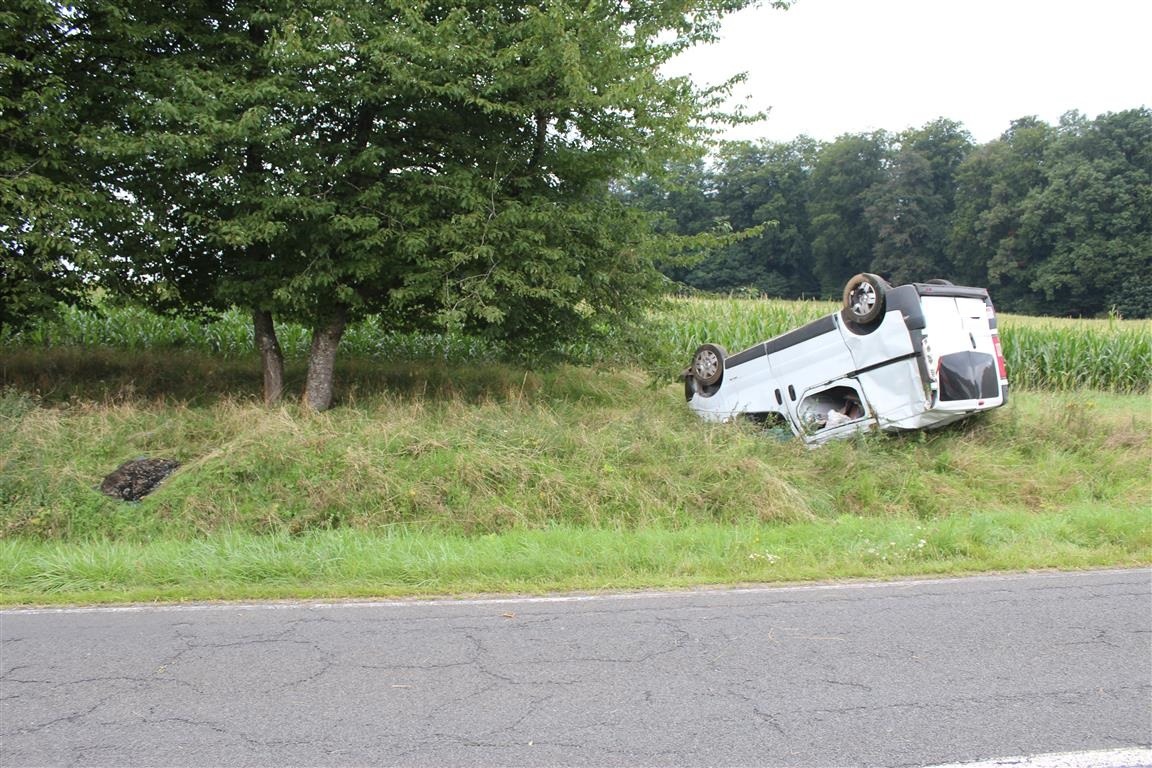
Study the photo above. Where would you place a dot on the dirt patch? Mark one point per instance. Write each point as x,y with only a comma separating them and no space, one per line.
133,480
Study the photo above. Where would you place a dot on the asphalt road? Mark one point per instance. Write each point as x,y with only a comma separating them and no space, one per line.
898,674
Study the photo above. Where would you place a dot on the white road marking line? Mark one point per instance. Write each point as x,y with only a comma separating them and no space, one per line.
1112,758
566,598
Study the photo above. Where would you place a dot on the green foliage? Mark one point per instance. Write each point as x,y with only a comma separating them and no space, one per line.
1132,299
44,200
1093,218
15,403
754,185
991,185
842,238
910,209
448,166
1053,220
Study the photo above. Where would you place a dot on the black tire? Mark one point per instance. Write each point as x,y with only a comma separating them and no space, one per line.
708,364
864,298
940,281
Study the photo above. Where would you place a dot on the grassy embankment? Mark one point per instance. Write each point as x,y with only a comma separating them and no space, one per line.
437,478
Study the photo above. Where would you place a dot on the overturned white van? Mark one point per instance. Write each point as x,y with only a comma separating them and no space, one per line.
915,356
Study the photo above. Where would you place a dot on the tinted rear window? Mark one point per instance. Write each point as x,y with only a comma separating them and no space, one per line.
968,376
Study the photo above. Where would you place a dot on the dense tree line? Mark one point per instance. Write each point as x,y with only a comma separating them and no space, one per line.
1052,219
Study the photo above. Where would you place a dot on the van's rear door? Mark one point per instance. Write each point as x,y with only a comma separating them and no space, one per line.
961,345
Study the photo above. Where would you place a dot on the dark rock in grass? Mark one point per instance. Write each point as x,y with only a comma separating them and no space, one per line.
133,480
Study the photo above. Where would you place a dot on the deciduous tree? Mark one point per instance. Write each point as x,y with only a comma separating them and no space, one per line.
910,210
446,165
44,197
992,185
1093,218
842,238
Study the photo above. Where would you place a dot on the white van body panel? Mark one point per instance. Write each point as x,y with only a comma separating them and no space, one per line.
931,358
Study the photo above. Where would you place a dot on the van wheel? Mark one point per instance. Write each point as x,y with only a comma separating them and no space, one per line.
708,364
864,298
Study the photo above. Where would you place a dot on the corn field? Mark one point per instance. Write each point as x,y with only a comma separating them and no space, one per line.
231,336
1110,355
1042,353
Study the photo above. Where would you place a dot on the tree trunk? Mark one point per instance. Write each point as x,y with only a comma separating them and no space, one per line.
271,356
322,362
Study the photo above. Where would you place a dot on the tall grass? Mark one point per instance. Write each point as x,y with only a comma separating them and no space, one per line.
440,478
569,446
1042,353
480,479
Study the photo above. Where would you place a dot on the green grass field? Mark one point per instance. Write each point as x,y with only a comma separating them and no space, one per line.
479,475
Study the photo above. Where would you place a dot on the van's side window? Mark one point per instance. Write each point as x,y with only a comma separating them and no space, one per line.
831,408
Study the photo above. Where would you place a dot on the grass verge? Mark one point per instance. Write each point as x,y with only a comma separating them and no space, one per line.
406,562
443,480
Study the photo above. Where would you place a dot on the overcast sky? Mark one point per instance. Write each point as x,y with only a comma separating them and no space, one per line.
829,67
